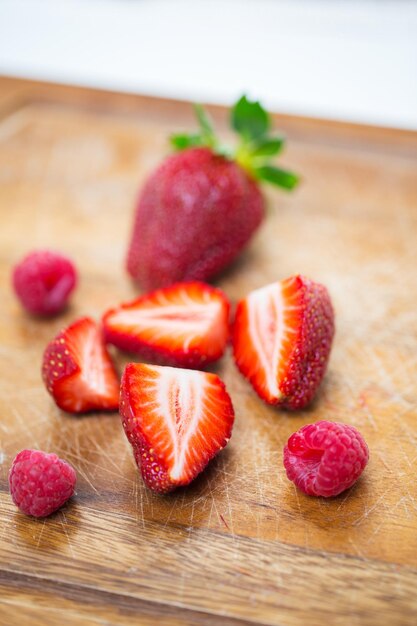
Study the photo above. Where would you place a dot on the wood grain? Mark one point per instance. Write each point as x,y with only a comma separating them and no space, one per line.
241,545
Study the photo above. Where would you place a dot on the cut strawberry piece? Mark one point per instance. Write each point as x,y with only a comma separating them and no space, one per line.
186,324
176,420
78,371
282,339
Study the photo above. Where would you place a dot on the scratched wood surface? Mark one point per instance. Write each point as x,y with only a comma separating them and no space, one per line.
241,545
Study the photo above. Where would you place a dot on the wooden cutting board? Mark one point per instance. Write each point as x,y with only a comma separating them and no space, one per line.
241,545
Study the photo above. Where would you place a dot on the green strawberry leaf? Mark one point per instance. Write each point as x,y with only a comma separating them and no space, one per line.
206,126
182,141
255,149
276,176
267,147
249,119
206,136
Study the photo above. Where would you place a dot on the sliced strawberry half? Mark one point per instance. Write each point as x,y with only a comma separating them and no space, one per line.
78,371
282,338
186,324
176,420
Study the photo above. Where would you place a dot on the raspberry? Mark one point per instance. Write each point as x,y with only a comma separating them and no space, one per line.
325,458
43,281
40,483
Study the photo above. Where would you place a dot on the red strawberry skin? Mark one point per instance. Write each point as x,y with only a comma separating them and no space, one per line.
176,420
78,371
195,214
186,324
282,338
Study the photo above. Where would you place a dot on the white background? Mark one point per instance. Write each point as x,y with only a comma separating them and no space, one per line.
343,59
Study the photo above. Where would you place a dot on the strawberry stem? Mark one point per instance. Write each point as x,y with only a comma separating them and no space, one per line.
255,149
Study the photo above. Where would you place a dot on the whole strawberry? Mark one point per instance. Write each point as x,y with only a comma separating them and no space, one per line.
200,207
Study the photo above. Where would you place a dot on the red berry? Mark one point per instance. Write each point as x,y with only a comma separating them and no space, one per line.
325,458
78,371
282,338
186,324
195,214
200,208
43,281
40,483
176,420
